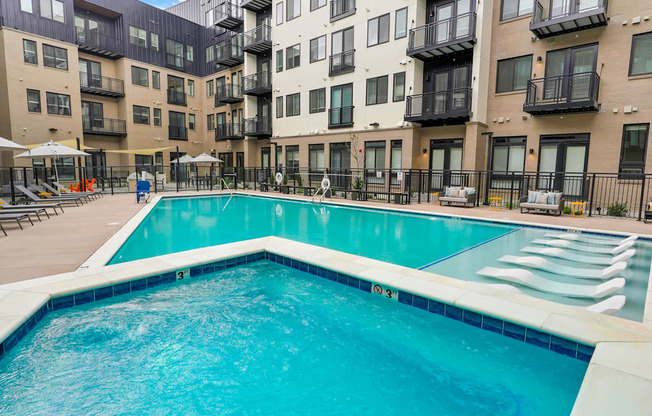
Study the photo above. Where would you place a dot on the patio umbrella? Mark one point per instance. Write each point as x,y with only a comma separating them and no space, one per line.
52,150
183,159
205,158
10,145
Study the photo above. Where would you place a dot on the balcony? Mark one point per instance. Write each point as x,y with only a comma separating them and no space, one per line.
229,53
258,127
439,108
340,117
229,131
228,15
567,16
444,37
104,126
175,62
258,40
99,85
341,9
342,63
100,44
257,84
176,97
228,94
255,5
178,132
563,94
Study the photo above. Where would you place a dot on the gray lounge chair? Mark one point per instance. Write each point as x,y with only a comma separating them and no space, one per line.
24,210
7,206
29,194
3,230
58,193
41,189
17,218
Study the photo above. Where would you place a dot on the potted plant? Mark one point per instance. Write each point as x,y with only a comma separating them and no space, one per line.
285,189
358,185
299,181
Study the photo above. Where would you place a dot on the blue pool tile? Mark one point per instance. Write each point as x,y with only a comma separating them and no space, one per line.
208,268
331,275
231,263
11,341
286,261
420,302
168,277
404,297
219,265
342,278
31,323
103,293
473,318
121,289
260,256
250,258
454,312
63,302
492,324
563,346
196,271
313,269
514,331
40,313
321,272
2,350
139,284
84,297
240,260
154,281
365,286
353,282
538,338
584,352
303,267
436,307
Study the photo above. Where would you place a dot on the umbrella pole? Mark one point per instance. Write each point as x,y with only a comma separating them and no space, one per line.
56,172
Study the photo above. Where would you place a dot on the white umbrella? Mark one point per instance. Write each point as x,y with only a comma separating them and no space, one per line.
10,145
52,150
183,159
205,158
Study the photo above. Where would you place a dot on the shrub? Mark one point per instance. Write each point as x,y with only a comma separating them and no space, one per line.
567,210
285,180
299,180
358,183
617,210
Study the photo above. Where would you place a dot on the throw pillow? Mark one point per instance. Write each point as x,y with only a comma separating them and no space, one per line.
454,193
541,199
462,193
532,196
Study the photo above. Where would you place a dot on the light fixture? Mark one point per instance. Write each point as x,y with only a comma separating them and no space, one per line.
425,151
531,151
53,129
539,59
374,124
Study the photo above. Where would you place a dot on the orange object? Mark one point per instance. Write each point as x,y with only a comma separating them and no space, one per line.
74,188
89,185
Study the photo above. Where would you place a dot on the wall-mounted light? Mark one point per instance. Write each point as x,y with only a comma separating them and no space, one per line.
53,129
374,124
531,151
539,59
425,151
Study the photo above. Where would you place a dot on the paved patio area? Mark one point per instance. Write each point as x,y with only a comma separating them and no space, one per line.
64,242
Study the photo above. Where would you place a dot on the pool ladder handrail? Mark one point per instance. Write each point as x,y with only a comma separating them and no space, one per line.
230,192
321,198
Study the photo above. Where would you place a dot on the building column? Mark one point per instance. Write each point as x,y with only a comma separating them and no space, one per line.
475,146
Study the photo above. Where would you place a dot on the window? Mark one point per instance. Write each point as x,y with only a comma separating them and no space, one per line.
377,90
378,30
29,51
279,60
293,105
293,9
210,54
279,14
210,88
515,8
141,115
318,49
279,157
210,122
157,117
374,158
137,36
293,56
139,76
55,57
508,154
26,6
641,55
279,107
52,9
190,53
292,159
191,121
401,23
191,88
153,41
633,151
513,74
316,161
399,87
316,4
174,53
318,100
58,103
341,112
342,52
34,101
156,80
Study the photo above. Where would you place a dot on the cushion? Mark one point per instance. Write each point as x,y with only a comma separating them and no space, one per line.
453,193
462,193
447,192
470,191
532,196
551,198
541,198
557,198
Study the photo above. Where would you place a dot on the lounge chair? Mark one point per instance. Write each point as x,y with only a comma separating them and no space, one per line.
41,189
542,201
3,230
573,256
536,262
62,189
17,218
581,247
29,194
58,193
24,210
6,205
603,241
527,278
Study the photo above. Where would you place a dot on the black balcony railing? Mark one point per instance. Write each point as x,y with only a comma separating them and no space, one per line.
563,94
176,97
340,117
443,37
104,126
255,5
178,132
258,127
230,53
229,131
97,43
442,107
257,84
175,61
99,85
341,9
342,63
560,17
228,15
258,40
228,94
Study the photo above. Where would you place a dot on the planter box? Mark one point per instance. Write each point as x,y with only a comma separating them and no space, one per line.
264,187
358,196
285,189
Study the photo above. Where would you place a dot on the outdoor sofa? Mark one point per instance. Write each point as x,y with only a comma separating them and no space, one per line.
548,202
458,195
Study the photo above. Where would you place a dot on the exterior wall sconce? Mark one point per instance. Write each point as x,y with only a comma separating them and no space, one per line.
375,124
531,151
53,129
539,59
425,151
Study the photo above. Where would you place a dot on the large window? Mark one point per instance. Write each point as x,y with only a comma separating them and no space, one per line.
641,54
316,161
633,151
157,117
293,105
279,107
318,49
29,51
318,100
138,36
156,80
210,53
139,76
515,8
34,101
377,90
341,112
141,115
26,6
191,88
293,56
153,42
396,159
292,159
513,74
401,23
52,9
378,30
191,121
293,9
190,53
210,88
55,57
507,158
399,87
374,160
58,103
174,53
316,4
210,122
279,13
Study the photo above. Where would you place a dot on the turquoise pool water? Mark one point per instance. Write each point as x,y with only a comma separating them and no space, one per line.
264,339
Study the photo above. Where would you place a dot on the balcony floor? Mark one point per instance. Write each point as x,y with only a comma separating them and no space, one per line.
103,93
450,118
258,48
442,49
256,5
571,23
229,22
94,50
542,109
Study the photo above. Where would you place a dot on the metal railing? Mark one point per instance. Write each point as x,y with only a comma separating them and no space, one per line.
564,8
339,117
228,93
176,97
230,51
226,131
442,103
446,31
227,10
259,82
101,85
342,63
178,133
258,126
98,40
262,33
107,126
342,8
563,89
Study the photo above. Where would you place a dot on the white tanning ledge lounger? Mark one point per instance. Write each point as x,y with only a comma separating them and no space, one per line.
536,262
527,278
580,247
573,256
591,239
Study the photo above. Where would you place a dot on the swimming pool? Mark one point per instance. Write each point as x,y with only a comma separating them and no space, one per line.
452,247
266,338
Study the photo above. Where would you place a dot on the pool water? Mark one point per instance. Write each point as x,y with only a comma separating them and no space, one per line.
265,339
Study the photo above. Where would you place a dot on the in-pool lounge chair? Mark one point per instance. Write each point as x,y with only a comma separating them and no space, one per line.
54,205
579,258
29,194
17,218
536,262
583,247
602,241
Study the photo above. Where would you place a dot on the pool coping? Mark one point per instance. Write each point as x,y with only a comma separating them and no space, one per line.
622,359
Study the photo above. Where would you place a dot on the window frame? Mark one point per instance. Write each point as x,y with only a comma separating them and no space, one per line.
312,9
155,46
51,10
192,122
160,117
190,53
54,56
156,80
280,16
622,164
518,8
210,57
38,92
396,36
377,19
287,10
295,56
279,107
394,100
325,48
294,150
58,113
514,60
210,122
290,101
631,54
137,36
317,109
140,114
377,79
210,92
134,67
279,68
35,51
25,2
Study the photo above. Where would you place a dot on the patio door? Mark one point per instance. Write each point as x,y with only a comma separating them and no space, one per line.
90,73
444,19
445,163
569,73
340,164
342,104
92,115
562,164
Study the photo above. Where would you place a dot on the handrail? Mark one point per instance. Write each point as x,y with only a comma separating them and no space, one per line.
439,102
258,34
101,83
443,31
342,62
582,86
565,9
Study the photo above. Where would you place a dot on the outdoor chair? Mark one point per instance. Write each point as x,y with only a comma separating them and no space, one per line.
34,198
64,193
42,190
6,205
458,195
24,210
16,217
549,202
648,211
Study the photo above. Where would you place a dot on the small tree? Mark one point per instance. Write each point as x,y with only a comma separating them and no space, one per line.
355,147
